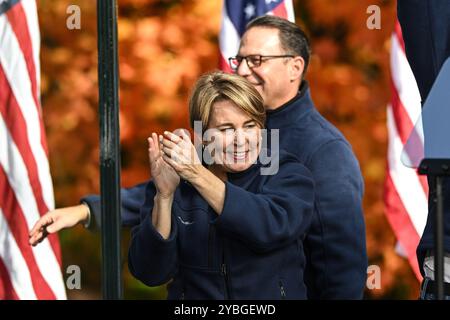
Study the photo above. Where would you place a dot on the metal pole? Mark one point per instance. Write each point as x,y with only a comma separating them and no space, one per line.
108,81
439,242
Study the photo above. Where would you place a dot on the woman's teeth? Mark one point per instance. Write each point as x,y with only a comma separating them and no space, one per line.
239,155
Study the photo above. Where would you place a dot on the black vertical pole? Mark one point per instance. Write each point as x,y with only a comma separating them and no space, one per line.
436,170
108,81
439,241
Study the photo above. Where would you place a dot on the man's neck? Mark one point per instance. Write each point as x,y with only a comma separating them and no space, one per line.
287,98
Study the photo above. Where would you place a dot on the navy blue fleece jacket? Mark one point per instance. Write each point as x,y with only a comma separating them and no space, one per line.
335,245
252,250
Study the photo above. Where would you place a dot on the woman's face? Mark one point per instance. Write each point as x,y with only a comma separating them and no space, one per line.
236,137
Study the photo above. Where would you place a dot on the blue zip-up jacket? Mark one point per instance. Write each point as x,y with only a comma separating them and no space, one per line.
252,250
335,246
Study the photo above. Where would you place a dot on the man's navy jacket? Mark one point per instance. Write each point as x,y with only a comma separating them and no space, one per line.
335,245
252,250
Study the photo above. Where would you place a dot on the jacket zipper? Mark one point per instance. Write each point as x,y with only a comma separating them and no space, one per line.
282,291
224,271
225,279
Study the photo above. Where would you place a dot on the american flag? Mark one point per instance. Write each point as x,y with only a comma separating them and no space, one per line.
405,192
26,190
235,16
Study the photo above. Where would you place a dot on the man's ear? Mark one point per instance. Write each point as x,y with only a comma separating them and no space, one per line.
297,68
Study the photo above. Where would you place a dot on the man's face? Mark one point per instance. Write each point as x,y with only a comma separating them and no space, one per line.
277,80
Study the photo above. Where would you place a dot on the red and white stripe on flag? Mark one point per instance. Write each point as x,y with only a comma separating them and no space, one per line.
405,192
26,190
237,13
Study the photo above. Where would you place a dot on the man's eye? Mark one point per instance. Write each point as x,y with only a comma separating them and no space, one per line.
226,130
249,126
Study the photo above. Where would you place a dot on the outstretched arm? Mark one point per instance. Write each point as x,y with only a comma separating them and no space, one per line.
56,220
88,213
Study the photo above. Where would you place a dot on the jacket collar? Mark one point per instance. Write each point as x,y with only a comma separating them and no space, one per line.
244,178
293,110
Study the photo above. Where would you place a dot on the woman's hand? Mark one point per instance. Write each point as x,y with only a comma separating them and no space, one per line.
56,220
182,156
180,153
165,178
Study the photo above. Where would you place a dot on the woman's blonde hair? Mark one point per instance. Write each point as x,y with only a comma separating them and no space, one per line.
219,86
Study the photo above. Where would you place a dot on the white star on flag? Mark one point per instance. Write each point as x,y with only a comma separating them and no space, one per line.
249,11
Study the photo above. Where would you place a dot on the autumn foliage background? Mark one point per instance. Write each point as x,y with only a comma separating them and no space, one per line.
164,45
